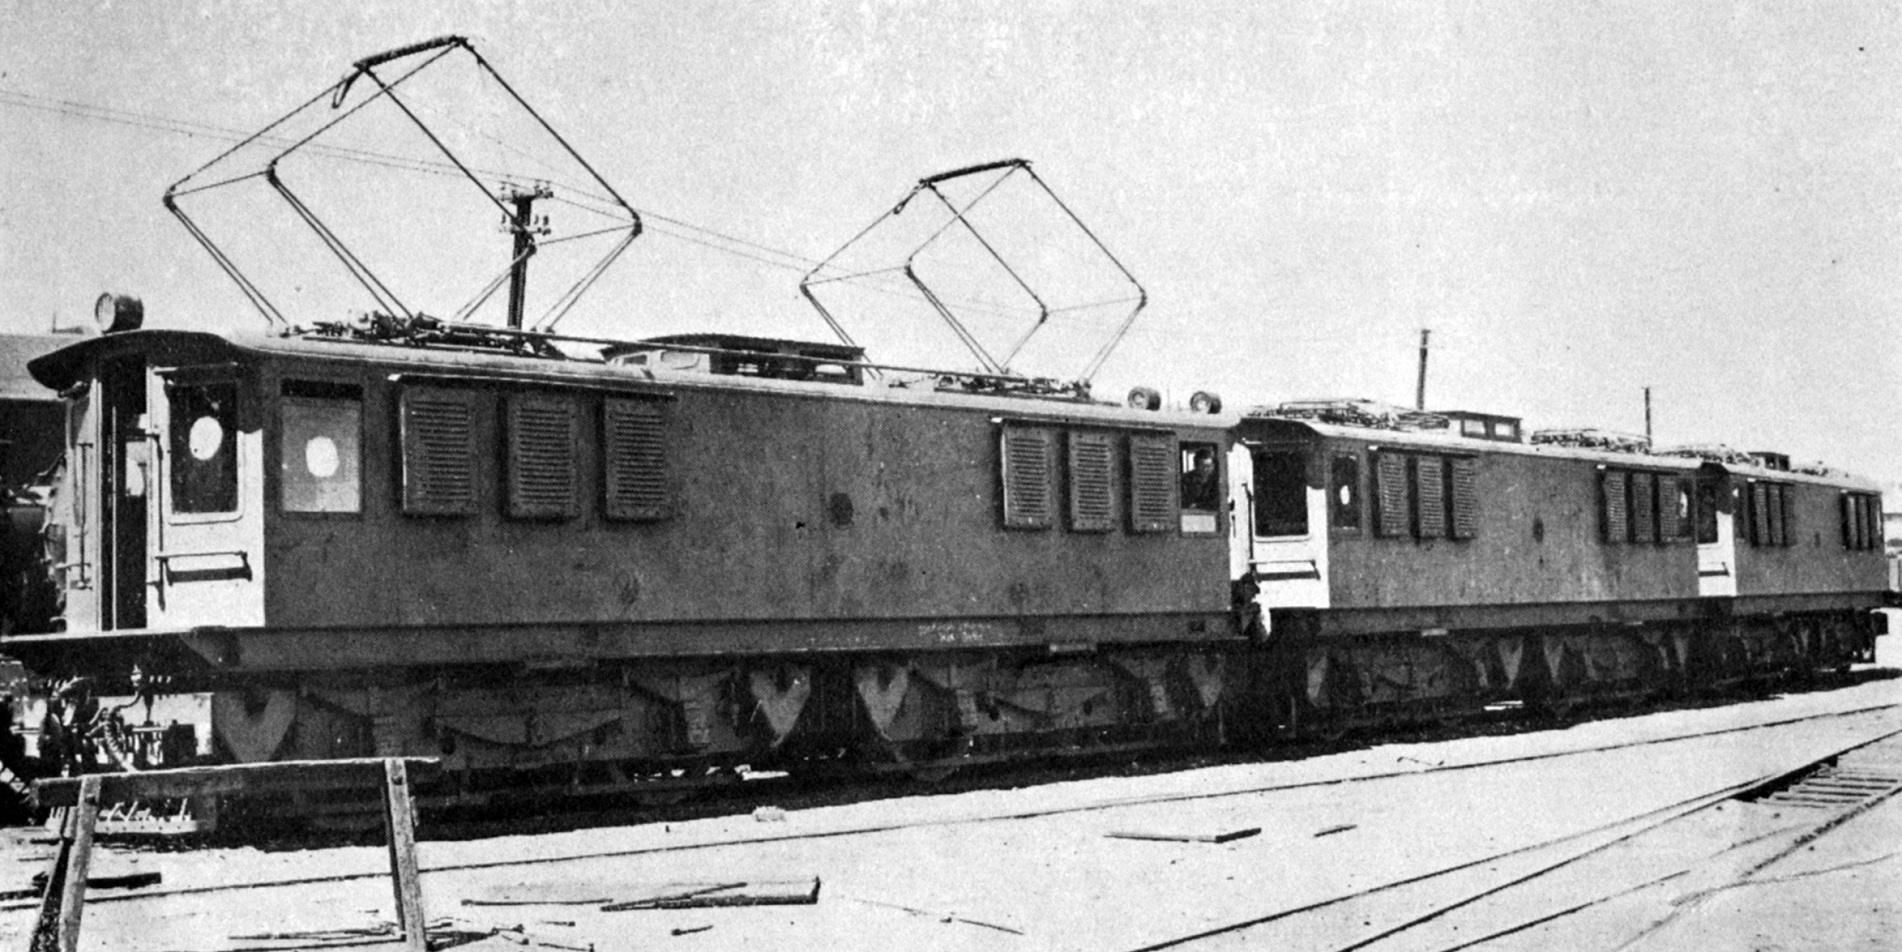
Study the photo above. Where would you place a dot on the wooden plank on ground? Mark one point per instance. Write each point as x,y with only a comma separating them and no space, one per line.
61,909
792,892
127,881
282,776
1223,837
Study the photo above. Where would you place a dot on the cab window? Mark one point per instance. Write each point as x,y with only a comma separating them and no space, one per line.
320,447
1281,493
204,447
1344,502
1201,482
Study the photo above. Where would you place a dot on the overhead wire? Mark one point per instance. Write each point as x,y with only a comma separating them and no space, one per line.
680,230
154,122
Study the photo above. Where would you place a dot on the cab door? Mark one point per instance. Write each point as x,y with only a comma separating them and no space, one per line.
1716,534
207,526
115,439
1285,523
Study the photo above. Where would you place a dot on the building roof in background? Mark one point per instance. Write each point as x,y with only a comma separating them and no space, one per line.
15,350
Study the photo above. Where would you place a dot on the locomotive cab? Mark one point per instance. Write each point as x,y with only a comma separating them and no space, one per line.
164,451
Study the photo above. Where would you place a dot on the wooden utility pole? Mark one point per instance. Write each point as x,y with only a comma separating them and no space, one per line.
1419,393
522,225
1647,414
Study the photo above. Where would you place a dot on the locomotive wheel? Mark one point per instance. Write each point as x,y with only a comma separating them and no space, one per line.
930,761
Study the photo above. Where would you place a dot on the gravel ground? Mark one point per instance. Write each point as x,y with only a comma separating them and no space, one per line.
938,872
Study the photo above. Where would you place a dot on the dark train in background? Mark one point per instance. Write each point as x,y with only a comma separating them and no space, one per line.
696,553
31,422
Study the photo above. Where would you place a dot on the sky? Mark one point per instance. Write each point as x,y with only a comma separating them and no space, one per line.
1579,201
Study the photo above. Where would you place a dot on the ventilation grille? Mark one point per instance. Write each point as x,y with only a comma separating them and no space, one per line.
1644,523
1152,483
634,458
543,432
1026,455
1430,489
1092,496
1670,494
438,452
1617,513
1465,472
1759,514
1390,488
1779,514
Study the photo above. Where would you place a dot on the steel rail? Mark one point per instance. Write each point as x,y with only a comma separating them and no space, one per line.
1652,821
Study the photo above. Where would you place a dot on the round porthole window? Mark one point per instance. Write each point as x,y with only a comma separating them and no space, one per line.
320,457
207,437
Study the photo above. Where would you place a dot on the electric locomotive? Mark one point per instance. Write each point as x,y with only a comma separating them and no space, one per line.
647,568
1440,562
642,566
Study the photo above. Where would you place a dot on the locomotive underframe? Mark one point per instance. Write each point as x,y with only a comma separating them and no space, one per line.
1377,677
657,727
646,725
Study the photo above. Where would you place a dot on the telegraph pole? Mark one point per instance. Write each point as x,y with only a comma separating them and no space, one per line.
1647,414
522,225
1419,393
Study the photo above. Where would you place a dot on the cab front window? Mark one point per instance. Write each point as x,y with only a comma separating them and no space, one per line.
203,446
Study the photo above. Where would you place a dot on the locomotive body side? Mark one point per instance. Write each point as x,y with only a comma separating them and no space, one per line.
1803,542
1402,568
1439,532
517,561
786,516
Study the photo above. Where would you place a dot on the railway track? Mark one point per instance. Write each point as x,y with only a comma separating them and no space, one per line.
1627,884
1415,769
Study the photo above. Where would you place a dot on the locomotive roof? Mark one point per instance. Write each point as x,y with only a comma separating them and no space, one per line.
1448,442
62,368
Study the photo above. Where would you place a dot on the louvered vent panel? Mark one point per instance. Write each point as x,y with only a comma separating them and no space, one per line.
543,481
634,460
1670,496
1465,475
1092,496
1781,531
1617,512
1872,509
1848,512
1759,514
1644,507
1790,519
438,432
1390,494
1429,478
1152,483
1026,455
1858,521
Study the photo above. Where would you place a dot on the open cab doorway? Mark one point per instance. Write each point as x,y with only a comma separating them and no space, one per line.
1281,522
